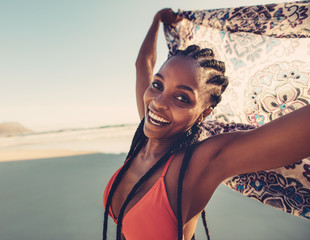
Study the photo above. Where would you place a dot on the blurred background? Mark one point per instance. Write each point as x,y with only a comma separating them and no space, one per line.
68,108
71,63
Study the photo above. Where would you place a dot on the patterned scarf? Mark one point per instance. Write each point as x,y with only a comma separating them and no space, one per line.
266,50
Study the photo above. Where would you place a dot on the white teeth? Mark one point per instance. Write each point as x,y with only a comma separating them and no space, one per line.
157,118
155,123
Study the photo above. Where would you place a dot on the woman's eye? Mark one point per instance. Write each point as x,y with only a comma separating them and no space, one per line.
156,85
182,99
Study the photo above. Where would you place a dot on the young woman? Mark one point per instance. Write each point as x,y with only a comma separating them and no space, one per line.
168,177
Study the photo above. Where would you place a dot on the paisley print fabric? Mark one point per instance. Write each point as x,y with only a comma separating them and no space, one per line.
266,50
286,188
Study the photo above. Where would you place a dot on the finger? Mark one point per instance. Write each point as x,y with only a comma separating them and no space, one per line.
178,18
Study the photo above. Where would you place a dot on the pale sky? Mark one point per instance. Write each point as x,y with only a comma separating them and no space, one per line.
70,63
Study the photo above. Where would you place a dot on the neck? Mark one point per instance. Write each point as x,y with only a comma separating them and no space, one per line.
156,148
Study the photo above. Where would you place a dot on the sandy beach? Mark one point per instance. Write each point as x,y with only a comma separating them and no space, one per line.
51,188
31,154
61,198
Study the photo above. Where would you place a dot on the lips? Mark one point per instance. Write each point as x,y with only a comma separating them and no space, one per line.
156,119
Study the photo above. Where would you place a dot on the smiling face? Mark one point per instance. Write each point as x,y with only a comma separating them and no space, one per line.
175,100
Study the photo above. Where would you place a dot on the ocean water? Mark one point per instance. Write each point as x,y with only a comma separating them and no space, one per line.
61,198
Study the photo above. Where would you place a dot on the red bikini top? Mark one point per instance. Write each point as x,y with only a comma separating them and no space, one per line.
150,218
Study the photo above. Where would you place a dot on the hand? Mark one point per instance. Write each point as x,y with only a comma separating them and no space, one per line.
168,17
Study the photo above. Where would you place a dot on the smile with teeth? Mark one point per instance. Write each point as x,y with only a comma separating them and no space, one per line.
157,120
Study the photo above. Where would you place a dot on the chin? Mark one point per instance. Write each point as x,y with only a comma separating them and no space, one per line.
154,131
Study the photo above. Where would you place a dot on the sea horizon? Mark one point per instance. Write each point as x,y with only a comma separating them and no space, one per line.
104,139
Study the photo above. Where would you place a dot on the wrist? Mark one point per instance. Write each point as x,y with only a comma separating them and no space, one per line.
157,17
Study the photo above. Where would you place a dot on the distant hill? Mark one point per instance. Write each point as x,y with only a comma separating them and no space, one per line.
13,128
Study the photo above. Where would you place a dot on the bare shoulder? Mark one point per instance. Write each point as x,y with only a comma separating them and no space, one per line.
210,148
206,159
204,173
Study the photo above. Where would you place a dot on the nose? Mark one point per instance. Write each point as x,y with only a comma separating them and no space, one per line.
160,102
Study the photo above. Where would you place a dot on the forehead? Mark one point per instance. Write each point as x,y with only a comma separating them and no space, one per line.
182,70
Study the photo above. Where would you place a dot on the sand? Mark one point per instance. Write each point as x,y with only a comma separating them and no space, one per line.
61,198
30,154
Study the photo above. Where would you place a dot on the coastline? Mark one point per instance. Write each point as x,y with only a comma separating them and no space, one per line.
62,143
31,154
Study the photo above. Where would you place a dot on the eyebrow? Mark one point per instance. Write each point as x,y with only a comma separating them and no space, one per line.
179,86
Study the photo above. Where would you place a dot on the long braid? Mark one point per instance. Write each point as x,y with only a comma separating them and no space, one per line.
195,132
135,188
204,221
114,186
184,165
137,138
136,145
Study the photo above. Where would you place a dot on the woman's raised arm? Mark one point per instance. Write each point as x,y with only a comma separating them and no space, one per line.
146,59
276,144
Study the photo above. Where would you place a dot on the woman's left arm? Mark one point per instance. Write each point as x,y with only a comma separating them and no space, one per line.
279,143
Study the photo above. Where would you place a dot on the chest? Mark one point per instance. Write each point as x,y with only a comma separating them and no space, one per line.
191,197
135,172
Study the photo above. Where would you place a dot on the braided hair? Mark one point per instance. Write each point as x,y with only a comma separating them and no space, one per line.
205,60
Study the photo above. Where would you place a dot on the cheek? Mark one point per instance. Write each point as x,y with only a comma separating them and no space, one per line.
186,117
147,95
